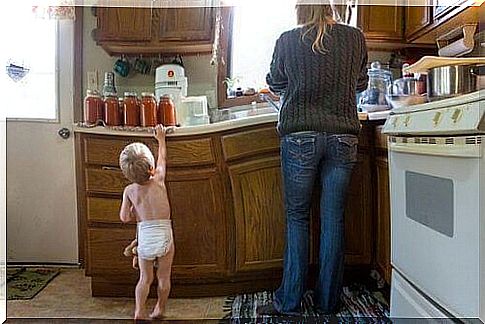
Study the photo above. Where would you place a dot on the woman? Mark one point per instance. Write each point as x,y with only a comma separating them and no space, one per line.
317,70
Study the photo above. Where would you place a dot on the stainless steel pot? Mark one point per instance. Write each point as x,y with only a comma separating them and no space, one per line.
453,80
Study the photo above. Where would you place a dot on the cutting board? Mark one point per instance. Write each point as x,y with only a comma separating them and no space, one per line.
428,62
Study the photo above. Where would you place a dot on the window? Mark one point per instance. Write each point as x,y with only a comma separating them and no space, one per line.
29,59
256,28
249,35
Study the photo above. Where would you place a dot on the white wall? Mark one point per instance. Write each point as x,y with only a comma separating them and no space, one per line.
202,77
3,225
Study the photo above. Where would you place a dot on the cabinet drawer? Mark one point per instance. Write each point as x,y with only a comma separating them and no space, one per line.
189,152
250,143
106,246
107,151
179,152
104,210
105,180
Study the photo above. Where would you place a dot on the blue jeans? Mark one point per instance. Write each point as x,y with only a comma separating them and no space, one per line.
304,157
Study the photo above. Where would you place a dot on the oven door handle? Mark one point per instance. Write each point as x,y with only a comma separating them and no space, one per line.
464,151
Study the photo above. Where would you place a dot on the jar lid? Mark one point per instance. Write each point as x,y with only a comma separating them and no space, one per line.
147,94
377,70
166,97
110,94
130,94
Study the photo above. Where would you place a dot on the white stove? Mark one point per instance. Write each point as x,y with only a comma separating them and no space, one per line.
437,182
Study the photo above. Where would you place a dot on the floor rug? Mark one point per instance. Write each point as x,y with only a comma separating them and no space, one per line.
25,283
358,305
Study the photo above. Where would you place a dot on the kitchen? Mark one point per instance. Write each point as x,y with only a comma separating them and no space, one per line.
224,177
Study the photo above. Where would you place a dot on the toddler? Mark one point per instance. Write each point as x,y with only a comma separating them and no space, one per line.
146,201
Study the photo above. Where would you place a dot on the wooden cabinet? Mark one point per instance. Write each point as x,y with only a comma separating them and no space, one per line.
124,24
416,19
381,23
186,25
383,208
226,196
155,30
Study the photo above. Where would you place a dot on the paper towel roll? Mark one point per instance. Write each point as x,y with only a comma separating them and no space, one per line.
458,48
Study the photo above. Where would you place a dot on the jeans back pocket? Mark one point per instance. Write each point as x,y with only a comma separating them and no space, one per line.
300,147
347,146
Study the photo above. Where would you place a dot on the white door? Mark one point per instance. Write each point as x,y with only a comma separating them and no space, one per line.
41,187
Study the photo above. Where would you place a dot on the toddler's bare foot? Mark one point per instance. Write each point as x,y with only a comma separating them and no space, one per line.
135,262
141,316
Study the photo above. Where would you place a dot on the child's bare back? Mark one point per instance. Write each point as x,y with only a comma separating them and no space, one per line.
146,201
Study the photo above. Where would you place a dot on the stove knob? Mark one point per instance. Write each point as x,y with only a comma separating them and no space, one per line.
395,121
437,118
407,120
456,115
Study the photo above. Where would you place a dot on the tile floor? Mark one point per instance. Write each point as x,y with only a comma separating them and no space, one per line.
69,296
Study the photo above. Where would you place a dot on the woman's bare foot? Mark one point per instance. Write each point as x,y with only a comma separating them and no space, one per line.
157,313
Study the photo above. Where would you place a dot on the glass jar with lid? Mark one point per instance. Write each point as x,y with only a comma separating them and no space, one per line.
93,107
131,110
111,110
148,110
374,98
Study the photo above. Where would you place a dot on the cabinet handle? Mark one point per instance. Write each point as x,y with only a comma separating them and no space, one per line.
106,168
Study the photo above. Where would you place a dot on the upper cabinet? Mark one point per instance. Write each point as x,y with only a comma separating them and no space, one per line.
155,30
381,23
416,19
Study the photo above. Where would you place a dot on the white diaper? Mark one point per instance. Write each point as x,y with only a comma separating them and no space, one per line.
154,238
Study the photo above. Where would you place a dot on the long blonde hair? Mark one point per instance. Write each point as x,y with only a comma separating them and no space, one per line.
319,18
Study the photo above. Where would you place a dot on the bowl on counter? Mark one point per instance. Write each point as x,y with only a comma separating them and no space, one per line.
399,101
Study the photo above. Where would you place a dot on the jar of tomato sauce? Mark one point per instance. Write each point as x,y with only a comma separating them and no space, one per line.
93,107
111,110
166,111
131,110
148,110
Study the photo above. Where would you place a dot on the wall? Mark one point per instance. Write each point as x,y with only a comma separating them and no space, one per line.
202,77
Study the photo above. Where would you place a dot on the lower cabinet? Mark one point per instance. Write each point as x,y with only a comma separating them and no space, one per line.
228,216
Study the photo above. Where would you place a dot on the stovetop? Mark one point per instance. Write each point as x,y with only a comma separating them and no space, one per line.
463,115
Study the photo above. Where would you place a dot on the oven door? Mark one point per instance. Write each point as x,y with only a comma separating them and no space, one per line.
435,217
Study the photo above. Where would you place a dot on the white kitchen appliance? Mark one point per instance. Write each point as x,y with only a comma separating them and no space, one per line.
437,183
170,80
193,111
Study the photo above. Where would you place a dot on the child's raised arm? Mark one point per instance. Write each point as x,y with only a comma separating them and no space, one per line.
126,213
160,170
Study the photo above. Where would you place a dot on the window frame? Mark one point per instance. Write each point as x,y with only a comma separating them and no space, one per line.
57,118
224,64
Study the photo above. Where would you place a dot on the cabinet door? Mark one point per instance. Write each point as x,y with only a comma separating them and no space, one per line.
417,18
381,22
259,214
199,223
186,24
124,24
358,215
383,248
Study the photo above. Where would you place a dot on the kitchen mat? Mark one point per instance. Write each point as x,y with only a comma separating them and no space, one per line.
25,283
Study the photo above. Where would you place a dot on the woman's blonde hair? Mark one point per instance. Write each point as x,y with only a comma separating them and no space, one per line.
137,162
319,18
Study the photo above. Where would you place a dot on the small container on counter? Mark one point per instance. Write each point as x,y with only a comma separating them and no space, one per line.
112,116
93,107
166,111
148,110
131,110
120,107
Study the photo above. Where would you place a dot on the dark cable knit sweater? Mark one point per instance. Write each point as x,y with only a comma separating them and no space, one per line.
319,90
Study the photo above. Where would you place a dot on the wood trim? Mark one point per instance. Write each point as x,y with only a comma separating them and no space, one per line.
78,65
81,202
78,116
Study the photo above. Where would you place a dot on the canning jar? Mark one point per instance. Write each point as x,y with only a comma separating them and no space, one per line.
131,110
111,110
166,111
93,107
148,110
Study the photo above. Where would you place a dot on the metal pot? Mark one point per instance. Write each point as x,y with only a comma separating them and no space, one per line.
453,80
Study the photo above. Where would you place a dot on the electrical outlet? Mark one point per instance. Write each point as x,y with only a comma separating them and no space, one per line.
93,80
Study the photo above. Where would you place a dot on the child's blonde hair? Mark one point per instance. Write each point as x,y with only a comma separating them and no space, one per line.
137,162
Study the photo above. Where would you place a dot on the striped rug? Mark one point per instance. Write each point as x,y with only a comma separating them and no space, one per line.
358,305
